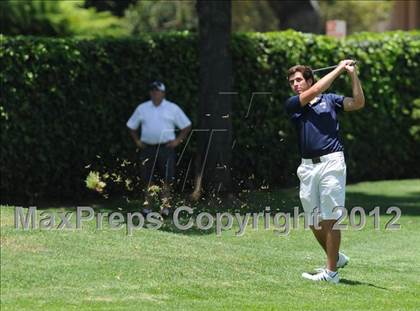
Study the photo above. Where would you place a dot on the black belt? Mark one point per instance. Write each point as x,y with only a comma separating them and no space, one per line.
155,145
316,160
321,158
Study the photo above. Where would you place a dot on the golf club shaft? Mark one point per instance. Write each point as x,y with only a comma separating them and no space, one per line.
331,67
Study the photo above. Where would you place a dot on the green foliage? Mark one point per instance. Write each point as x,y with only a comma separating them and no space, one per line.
359,15
71,18
253,16
93,182
56,18
65,102
160,15
116,7
163,15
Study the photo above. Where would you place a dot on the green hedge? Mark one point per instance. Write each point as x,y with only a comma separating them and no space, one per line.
65,102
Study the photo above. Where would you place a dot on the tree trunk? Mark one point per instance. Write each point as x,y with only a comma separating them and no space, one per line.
405,15
214,134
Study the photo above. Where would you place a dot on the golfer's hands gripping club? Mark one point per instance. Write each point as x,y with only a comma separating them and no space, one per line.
347,65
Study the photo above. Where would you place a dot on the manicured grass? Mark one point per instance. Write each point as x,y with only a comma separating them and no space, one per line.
161,269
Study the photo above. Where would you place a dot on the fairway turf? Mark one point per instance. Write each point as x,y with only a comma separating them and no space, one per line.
158,269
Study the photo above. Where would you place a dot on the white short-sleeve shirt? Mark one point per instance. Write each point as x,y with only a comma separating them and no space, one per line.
158,123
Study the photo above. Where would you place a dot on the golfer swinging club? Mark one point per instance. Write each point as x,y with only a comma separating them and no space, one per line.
322,172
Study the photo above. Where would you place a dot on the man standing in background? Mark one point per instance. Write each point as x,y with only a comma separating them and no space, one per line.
158,119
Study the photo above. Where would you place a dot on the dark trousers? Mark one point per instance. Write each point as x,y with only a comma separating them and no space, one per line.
157,163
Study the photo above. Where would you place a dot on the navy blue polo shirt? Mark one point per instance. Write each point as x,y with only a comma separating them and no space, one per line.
317,124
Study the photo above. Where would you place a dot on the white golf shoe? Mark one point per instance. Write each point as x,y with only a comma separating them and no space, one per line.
323,276
342,261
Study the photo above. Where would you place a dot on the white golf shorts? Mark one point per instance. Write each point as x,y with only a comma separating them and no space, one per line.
323,186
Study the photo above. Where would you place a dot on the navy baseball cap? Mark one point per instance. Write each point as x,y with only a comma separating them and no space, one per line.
157,85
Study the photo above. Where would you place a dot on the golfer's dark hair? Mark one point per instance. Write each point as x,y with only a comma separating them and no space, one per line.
306,72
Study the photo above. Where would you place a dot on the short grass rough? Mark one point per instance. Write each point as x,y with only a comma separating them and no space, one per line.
92,269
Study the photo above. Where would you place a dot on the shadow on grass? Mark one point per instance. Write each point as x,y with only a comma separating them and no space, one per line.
408,203
353,283
170,227
279,200
167,222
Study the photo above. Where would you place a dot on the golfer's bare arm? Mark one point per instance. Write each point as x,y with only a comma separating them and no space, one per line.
323,84
358,100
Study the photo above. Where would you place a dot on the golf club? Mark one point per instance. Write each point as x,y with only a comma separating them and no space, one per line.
331,67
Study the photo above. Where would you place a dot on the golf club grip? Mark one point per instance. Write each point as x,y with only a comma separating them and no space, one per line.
332,67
